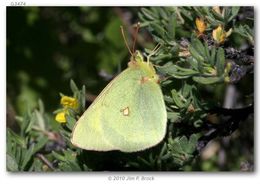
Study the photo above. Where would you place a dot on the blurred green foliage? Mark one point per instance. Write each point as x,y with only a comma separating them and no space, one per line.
47,47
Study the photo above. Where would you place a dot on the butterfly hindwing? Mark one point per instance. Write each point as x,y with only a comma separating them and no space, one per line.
143,123
129,115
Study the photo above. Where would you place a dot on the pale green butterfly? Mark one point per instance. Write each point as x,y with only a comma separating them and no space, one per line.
129,115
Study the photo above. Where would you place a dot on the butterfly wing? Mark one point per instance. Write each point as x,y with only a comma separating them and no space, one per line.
129,115
134,114
88,133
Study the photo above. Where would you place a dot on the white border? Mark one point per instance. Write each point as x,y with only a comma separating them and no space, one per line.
133,3
162,178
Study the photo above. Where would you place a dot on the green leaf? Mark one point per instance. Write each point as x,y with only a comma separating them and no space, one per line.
74,166
11,164
181,149
83,97
8,142
176,98
217,16
193,62
185,71
17,139
173,116
27,156
234,12
69,154
41,106
37,166
198,11
186,89
73,86
198,46
68,160
163,13
176,71
158,29
191,146
25,121
186,13
172,27
220,61
58,156
40,144
207,80
149,14
213,21
40,120
70,122
31,123
213,56
245,31
195,54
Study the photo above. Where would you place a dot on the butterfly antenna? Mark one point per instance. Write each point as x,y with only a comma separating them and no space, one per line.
156,48
123,34
137,26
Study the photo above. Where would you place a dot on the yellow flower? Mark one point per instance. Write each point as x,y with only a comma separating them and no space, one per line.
201,25
219,34
69,102
61,117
